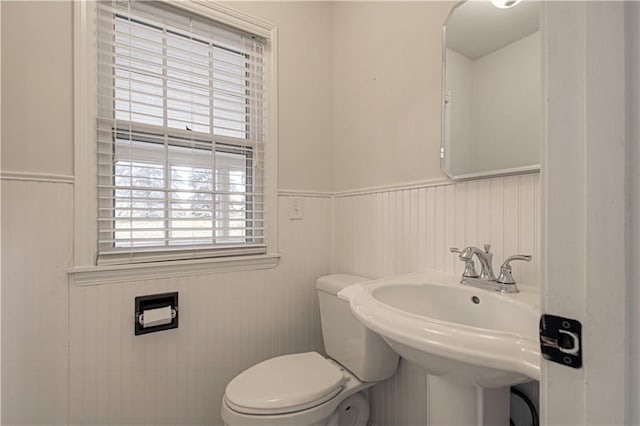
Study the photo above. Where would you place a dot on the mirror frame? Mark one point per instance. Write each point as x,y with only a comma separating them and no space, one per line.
534,168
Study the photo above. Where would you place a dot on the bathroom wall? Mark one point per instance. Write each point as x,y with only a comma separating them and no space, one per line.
36,248
459,89
389,232
507,106
68,352
37,84
228,322
393,211
386,92
36,216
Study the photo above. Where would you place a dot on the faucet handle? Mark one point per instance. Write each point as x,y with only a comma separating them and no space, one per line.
525,257
469,264
505,276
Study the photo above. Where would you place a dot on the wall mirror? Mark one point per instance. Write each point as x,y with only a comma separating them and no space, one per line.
491,90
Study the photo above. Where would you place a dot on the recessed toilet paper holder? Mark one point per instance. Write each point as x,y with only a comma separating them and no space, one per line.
155,312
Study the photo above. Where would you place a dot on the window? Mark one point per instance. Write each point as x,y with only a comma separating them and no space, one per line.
180,136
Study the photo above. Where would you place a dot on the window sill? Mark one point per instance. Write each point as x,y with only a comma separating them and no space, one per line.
98,275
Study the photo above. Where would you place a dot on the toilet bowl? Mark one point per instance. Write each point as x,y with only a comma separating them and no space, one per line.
308,389
298,389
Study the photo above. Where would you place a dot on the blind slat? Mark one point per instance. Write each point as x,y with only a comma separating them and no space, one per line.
222,85
252,58
178,241
141,254
169,192
135,78
143,131
176,230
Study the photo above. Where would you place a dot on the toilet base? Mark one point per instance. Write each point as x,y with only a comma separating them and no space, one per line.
353,411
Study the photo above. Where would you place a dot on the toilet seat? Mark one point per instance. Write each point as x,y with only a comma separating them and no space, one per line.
285,384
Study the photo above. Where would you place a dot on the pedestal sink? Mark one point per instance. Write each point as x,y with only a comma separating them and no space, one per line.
467,335
477,342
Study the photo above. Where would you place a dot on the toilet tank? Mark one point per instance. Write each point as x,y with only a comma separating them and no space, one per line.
346,339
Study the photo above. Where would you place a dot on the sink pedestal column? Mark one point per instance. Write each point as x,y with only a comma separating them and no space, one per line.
450,403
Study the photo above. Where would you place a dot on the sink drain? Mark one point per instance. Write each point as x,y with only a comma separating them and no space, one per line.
475,299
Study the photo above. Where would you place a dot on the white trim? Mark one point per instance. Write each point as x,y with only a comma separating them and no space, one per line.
304,193
37,177
394,187
391,188
632,246
535,168
98,275
1,207
583,198
225,15
271,149
84,134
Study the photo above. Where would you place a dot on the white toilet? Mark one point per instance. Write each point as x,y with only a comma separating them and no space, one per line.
308,389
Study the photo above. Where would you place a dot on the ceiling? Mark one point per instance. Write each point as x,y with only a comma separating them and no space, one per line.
477,28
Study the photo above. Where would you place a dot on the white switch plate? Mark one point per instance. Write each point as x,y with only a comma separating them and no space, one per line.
295,208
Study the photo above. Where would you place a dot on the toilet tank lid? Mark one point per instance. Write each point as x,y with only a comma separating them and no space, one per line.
334,283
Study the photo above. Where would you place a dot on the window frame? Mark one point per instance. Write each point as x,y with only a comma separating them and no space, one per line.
85,269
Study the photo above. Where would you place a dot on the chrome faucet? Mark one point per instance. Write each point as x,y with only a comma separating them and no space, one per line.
487,279
486,260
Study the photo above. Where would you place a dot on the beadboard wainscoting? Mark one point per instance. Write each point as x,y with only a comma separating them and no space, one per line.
69,355
389,232
36,248
228,322
385,233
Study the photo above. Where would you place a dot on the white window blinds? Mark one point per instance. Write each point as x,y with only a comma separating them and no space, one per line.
180,133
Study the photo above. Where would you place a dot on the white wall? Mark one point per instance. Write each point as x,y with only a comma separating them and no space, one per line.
228,322
36,139
37,87
632,249
383,233
36,248
458,157
386,92
506,106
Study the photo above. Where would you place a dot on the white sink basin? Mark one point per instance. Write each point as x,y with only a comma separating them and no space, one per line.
469,335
